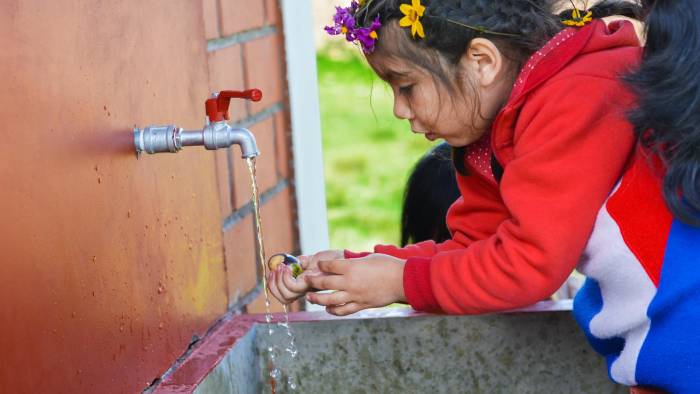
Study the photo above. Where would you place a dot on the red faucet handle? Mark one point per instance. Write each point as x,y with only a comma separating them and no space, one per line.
217,108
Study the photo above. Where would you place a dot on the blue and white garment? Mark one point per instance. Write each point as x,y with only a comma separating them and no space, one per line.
640,305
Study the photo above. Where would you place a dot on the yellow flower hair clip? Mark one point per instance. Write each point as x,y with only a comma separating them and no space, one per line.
413,13
577,16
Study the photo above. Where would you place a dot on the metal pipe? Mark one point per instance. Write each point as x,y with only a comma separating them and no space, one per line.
191,137
218,135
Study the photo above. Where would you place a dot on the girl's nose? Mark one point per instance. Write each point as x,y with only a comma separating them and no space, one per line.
401,109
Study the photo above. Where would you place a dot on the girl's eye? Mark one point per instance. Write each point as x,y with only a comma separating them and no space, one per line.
405,90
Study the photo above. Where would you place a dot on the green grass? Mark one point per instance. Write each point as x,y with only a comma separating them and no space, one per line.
367,152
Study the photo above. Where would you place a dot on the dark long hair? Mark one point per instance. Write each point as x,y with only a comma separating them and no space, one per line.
517,27
430,191
667,119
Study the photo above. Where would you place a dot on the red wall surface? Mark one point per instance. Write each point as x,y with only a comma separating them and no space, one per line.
109,265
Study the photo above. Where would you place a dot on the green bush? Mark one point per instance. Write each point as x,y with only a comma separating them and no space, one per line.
367,152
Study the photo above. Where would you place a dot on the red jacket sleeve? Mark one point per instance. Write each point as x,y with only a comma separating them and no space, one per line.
567,156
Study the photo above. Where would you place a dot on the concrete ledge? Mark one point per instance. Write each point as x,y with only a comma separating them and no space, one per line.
395,350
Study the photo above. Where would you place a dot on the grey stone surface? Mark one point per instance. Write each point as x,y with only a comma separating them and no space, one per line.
238,372
541,352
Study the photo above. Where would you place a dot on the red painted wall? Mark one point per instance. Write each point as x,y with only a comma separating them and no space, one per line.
109,265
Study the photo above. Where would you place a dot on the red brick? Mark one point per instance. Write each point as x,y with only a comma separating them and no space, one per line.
266,171
264,69
241,15
283,144
272,12
240,255
280,231
226,73
223,177
211,18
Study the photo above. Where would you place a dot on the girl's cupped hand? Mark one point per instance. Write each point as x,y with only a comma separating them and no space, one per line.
288,289
368,282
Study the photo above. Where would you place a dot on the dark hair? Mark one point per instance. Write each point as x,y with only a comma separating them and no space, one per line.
517,27
430,191
667,119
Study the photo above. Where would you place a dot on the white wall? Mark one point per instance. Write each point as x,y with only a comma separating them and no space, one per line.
306,124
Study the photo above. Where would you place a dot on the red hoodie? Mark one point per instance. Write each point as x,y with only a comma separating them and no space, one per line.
563,140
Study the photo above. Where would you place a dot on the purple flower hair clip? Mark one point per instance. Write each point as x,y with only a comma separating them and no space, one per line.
344,23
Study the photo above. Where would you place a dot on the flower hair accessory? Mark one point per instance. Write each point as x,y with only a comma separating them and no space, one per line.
344,23
413,13
579,18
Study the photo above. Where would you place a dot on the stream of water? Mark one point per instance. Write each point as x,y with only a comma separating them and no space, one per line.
273,351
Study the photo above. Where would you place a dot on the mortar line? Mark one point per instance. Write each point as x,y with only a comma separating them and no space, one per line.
240,38
259,117
248,208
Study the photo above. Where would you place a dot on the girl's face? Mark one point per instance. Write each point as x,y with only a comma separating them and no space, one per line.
461,116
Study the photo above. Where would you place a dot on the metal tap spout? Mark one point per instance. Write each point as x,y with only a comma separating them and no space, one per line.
159,139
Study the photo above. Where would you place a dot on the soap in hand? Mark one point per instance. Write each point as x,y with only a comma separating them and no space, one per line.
286,259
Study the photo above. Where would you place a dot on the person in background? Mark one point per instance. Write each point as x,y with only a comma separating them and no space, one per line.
430,191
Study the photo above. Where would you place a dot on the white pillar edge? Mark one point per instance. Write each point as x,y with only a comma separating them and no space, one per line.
305,114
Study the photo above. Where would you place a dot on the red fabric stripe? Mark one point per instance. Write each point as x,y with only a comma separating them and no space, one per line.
646,235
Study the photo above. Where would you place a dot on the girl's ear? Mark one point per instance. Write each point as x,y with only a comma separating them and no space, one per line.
483,62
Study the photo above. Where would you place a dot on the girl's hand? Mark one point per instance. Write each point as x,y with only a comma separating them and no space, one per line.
288,289
368,282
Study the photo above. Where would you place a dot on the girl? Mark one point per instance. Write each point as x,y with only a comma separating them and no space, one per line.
537,115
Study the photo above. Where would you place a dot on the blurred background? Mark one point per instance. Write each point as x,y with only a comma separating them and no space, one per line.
368,153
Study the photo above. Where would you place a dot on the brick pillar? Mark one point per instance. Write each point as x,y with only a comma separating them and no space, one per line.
246,50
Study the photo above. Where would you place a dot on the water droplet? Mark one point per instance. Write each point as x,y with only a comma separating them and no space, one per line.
291,383
275,373
161,288
160,326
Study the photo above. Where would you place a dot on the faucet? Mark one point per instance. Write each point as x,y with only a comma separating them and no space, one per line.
216,133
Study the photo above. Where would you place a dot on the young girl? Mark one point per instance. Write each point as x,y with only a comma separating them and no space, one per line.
537,114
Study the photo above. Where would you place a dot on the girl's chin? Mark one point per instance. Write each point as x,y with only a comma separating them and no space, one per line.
431,136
